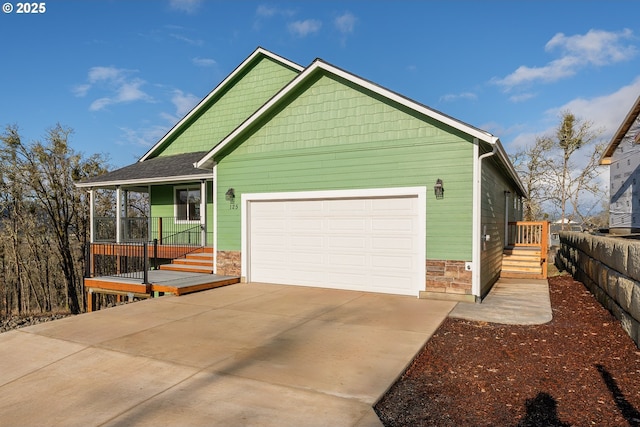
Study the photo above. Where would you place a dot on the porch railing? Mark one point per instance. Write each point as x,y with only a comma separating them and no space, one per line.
132,260
528,233
167,230
127,260
145,244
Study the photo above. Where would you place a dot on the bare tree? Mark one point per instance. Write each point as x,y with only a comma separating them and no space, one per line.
47,218
532,165
575,181
561,170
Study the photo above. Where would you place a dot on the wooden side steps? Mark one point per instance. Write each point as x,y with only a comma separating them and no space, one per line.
522,262
199,261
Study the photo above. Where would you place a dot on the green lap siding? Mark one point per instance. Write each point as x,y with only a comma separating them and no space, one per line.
332,135
228,109
493,218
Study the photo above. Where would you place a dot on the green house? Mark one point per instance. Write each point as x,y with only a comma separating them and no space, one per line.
317,177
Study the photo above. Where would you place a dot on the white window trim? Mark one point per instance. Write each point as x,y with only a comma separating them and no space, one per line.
175,203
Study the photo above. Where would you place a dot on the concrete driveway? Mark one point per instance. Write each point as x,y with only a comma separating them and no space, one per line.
246,354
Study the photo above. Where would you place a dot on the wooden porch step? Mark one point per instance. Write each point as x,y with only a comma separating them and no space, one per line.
532,263
188,268
195,259
522,262
200,261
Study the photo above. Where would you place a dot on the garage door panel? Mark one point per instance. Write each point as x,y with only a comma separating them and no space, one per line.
342,242
271,225
309,208
351,225
401,263
353,261
308,224
302,260
393,243
351,207
394,225
306,242
359,244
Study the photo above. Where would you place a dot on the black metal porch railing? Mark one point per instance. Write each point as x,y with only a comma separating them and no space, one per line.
135,256
167,230
132,260
126,260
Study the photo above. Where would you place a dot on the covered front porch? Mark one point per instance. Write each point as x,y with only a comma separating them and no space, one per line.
151,230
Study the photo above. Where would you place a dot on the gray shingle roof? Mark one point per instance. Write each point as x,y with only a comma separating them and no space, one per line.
174,168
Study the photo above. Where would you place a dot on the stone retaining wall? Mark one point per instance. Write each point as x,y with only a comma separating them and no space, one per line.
610,268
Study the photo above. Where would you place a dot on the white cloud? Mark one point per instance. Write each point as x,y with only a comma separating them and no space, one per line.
265,11
306,27
127,91
81,90
606,111
144,137
97,74
345,23
455,96
148,136
204,62
193,42
522,97
118,85
183,102
595,48
187,6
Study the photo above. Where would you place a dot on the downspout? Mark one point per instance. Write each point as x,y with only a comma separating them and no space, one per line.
477,214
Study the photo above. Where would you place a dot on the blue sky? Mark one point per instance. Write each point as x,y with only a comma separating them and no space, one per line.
121,73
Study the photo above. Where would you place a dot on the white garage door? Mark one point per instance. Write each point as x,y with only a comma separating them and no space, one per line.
371,244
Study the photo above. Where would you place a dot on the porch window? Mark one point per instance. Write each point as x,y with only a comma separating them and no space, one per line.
188,204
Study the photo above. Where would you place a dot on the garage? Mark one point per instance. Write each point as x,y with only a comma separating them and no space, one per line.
366,240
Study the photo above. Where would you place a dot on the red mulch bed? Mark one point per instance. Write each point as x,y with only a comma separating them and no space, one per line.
580,369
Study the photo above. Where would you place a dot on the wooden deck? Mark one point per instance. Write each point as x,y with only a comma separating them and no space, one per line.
160,281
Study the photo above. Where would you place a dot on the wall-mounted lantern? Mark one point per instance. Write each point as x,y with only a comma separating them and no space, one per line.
438,189
230,195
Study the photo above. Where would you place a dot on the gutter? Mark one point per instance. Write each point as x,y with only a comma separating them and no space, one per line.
477,213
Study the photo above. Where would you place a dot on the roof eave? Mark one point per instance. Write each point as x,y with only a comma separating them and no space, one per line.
510,168
626,124
144,181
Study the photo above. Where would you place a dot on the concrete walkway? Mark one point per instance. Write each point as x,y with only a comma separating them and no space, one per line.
511,301
242,355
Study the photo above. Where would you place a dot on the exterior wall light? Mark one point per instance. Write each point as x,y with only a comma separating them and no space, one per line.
438,189
230,195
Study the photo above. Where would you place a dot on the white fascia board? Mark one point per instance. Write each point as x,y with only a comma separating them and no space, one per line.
512,171
220,87
319,64
142,181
